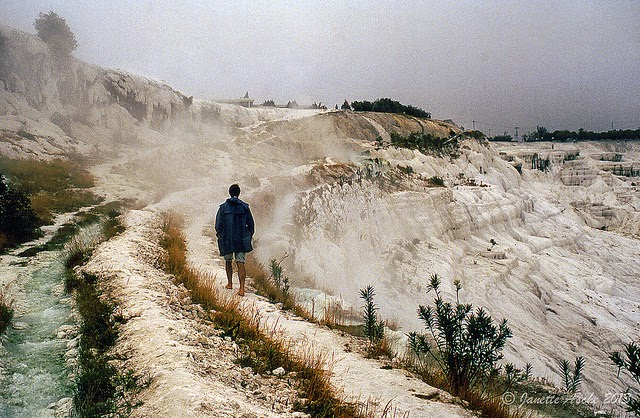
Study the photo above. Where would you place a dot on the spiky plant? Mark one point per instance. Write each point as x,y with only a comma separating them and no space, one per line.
632,366
276,272
572,378
465,344
514,375
372,326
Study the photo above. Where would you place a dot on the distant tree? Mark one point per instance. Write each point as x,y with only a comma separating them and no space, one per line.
55,32
363,106
504,137
345,106
542,133
387,105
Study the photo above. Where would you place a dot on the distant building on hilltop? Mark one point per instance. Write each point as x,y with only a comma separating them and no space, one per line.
246,101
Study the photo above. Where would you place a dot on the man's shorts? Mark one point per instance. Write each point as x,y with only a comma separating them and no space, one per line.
240,257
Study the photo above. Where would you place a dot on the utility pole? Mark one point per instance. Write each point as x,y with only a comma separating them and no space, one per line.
516,138
474,124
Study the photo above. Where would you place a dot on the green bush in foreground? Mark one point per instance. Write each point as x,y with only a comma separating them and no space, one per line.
465,344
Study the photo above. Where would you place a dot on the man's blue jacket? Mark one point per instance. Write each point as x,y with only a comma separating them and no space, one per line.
234,227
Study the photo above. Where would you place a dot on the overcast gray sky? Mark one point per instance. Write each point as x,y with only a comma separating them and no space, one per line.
562,64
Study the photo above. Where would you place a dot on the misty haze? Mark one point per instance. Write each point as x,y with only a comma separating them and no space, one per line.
446,204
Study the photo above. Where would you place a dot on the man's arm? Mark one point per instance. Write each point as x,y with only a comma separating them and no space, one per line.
250,224
219,224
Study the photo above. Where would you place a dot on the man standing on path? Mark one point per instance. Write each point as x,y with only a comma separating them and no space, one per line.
234,230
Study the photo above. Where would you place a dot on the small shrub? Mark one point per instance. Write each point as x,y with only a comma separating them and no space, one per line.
514,375
629,361
278,287
406,169
372,326
26,135
276,272
436,181
18,220
464,344
571,379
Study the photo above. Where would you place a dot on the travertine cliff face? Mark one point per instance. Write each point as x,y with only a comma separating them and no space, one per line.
85,106
567,284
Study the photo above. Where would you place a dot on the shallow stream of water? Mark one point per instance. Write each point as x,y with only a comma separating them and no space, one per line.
34,373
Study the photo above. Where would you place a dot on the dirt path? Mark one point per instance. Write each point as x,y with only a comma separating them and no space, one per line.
191,366
360,378
166,338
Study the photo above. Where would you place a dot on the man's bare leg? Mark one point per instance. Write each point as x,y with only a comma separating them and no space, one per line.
228,266
241,275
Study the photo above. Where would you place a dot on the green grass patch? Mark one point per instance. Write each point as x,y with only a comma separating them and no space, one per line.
101,388
56,186
107,215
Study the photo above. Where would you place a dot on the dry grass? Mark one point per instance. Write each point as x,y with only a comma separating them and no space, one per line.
334,315
260,348
372,408
53,187
486,400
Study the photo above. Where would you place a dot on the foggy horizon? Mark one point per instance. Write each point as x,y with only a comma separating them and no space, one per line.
566,65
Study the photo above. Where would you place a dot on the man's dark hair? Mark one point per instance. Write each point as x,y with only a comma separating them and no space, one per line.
234,190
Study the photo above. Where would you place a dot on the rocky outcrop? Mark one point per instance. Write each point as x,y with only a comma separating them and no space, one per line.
78,103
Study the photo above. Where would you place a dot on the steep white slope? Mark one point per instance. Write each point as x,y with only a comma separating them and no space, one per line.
566,288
